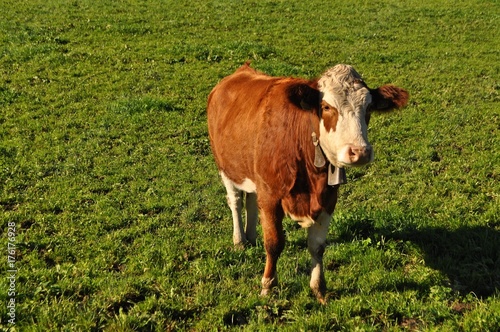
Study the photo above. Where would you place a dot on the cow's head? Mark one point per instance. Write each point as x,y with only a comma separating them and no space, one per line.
346,103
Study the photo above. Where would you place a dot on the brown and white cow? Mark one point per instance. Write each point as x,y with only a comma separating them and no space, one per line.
285,142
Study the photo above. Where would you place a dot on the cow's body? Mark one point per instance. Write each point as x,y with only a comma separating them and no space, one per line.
261,135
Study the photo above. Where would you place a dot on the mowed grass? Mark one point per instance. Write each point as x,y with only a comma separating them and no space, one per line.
121,219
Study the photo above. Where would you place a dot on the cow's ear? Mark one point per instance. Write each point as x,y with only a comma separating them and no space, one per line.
388,97
304,96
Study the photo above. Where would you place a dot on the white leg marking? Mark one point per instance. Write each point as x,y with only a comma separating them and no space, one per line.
247,186
234,197
316,239
304,222
252,216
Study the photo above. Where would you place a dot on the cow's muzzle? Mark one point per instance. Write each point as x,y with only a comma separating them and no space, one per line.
357,155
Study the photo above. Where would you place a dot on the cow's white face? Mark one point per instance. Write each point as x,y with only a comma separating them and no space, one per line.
343,126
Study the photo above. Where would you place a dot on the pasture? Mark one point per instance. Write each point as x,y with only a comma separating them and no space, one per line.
120,217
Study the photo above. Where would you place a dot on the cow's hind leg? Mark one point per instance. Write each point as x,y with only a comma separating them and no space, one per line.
316,242
252,217
234,200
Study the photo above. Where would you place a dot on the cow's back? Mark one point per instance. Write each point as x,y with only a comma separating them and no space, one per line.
234,112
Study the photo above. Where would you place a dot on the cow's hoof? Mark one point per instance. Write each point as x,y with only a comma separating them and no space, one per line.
267,284
244,244
265,292
239,245
320,296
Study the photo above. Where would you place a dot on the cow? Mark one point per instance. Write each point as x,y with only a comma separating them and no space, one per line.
281,144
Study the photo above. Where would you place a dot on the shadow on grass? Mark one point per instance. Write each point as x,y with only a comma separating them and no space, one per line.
469,255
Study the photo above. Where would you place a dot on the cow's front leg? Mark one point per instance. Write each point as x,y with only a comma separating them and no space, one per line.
316,242
274,242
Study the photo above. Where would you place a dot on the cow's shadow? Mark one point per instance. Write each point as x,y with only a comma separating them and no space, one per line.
468,255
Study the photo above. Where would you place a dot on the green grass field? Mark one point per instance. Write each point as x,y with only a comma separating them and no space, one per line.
120,218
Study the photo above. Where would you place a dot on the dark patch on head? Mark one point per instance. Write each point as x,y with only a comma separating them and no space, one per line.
304,96
330,116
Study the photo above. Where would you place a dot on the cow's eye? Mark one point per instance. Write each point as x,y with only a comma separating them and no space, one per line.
327,108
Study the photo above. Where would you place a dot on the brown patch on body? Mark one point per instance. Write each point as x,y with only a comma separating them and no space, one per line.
330,116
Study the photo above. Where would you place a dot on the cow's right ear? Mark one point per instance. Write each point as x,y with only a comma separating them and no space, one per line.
304,96
388,97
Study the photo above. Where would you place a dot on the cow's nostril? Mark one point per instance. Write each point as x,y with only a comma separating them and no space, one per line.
359,154
353,154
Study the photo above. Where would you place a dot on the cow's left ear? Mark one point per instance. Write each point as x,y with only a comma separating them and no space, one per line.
388,97
304,96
